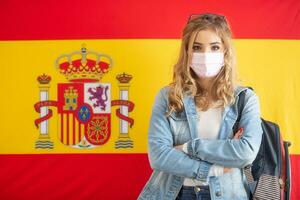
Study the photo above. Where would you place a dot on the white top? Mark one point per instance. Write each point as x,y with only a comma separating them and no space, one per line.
208,128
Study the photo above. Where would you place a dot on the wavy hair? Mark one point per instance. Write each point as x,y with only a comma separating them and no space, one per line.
184,79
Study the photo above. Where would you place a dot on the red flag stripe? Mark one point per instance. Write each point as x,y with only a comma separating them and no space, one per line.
134,170
94,19
79,137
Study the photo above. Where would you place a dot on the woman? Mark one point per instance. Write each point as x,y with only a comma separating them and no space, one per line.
191,147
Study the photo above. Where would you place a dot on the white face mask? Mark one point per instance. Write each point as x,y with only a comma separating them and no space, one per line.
207,64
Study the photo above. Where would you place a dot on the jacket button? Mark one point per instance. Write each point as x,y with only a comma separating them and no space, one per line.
218,193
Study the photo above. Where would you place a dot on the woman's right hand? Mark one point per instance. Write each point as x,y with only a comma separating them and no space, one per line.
237,135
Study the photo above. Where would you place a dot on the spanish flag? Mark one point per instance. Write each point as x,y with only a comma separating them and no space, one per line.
79,78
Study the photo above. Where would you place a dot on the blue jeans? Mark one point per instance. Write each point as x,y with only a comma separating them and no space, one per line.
190,193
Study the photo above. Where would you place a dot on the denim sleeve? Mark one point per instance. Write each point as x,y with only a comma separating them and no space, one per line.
234,152
161,153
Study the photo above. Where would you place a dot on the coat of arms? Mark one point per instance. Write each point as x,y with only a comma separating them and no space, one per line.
84,103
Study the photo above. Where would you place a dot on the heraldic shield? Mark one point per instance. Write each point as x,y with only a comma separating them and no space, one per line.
84,114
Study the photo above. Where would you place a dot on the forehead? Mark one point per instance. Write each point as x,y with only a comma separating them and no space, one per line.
207,36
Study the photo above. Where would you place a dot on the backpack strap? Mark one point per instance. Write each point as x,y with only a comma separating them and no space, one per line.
247,169
240,107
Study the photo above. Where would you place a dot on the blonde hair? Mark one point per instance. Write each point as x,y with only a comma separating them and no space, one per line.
184,79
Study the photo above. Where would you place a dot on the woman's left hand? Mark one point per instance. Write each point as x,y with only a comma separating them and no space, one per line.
238,134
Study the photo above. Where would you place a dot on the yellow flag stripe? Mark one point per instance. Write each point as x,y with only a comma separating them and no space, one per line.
271,67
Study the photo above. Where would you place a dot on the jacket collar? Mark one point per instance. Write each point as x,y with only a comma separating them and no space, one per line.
190,106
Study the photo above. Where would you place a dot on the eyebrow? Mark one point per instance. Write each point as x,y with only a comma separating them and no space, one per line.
210,43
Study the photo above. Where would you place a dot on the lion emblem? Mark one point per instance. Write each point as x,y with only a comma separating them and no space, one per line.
97,93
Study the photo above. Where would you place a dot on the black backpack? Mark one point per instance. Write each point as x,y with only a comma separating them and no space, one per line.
270,173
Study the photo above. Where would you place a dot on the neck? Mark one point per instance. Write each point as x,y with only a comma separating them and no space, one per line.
206,84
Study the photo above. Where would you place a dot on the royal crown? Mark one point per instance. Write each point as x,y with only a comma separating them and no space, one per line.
84,66
44,79
124,78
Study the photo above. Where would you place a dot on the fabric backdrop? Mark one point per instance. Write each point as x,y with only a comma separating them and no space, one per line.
48,151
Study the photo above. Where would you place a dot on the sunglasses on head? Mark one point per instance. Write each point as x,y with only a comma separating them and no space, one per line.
207,17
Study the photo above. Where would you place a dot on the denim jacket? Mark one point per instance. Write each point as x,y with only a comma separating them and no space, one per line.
170,166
